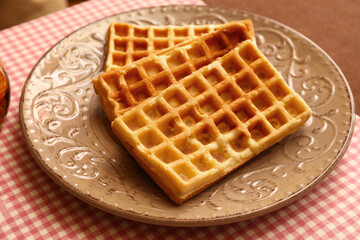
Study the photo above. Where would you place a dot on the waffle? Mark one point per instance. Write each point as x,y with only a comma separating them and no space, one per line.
128,42
211,122
121,89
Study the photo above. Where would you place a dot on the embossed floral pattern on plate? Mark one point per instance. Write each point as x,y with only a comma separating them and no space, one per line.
70,137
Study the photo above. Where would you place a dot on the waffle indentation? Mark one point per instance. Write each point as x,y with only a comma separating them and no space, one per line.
175,98
203,163
247,82
138,55
216,43
195,86
112,80
119,59
231,65
276,119
240,142
190,116
121,99
244,111
186,146
248,54
161,82
161,44
264,71
294,107
210,105
167,155
229,93
234,36
185,171
200,63
196,51
181,32
258,130
121,30
132,76
161,32
140,92
213,76
155,111
176,59
182,73
140,45
220,155
120,45
170,127
262,101
134,121
138,32
152,68
279,89
205,134
225,123
150,138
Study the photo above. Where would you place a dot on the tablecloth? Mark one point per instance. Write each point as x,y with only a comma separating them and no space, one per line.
32,206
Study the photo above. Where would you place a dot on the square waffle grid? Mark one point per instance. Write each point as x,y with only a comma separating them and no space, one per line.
211,122
119,90
128,43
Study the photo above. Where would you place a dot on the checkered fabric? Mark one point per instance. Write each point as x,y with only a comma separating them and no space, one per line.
32,206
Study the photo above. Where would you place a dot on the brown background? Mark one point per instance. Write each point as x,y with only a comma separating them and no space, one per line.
334,25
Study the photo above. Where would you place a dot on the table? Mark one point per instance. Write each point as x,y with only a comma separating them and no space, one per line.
336,33
33,206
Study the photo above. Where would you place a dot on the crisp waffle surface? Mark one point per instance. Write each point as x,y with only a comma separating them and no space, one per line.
121,89
211,122
128,42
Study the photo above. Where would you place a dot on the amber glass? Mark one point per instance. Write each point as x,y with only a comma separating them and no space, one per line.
4,94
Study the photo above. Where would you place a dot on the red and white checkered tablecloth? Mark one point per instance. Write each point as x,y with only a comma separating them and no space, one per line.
32,206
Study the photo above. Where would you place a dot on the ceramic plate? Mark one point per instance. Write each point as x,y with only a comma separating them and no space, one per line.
68,134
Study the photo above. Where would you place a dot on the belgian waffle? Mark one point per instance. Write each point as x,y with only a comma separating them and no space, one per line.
211,122
121,89
128,42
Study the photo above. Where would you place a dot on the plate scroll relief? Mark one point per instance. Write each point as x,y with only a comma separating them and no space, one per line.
70,137
64,76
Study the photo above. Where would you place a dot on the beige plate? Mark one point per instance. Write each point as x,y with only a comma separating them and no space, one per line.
69,136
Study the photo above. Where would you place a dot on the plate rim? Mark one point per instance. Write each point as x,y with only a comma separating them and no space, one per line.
185,222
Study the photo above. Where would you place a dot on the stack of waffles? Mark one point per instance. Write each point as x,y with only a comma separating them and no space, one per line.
200,107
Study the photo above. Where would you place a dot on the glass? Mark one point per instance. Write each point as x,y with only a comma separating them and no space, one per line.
4,93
